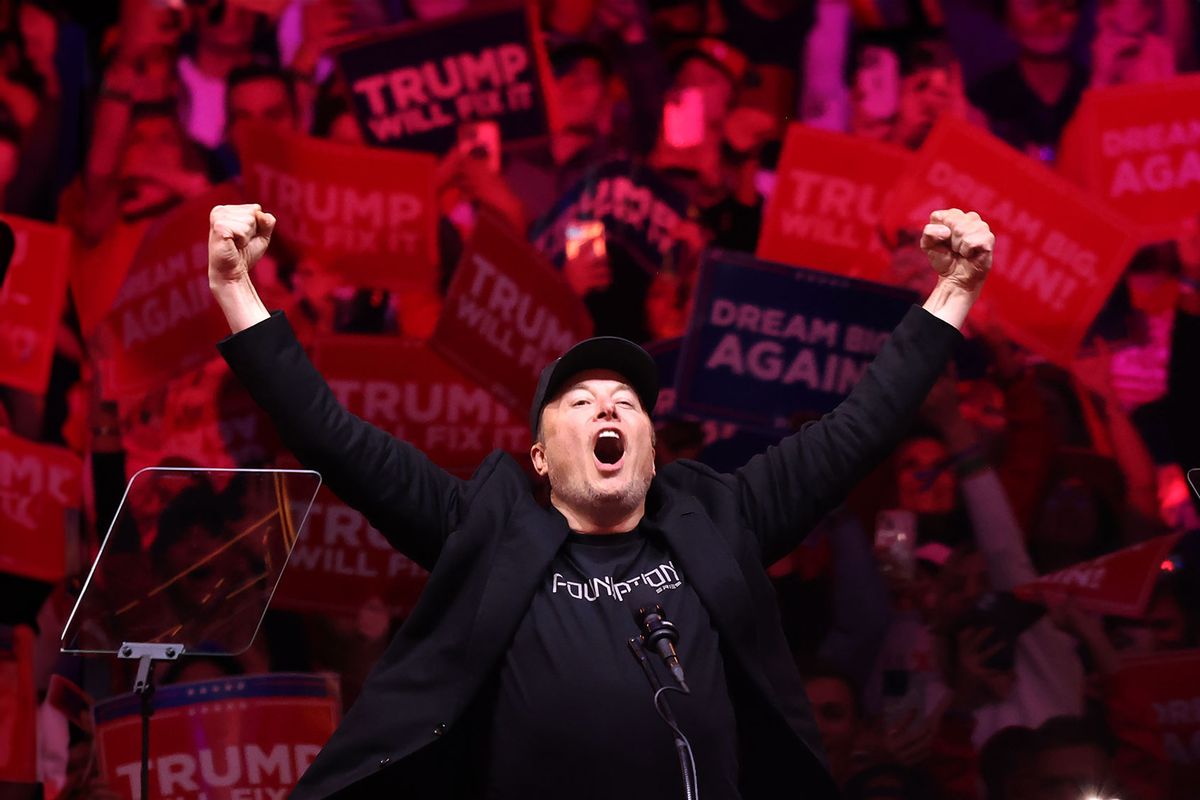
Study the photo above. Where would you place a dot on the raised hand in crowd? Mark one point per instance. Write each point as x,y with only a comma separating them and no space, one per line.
909,740
973,678
1088,628
321,24
627,19
464,177
589,270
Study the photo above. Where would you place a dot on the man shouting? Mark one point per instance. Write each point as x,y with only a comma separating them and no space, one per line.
512,677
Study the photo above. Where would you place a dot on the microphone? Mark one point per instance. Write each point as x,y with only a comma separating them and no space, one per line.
658,633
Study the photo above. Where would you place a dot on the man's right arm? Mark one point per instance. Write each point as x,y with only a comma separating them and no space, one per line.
401,492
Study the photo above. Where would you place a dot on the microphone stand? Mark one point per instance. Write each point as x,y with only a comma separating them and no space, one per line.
683,749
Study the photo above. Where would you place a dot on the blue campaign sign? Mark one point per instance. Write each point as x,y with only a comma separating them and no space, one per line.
665,353
414,85
767,342
639,209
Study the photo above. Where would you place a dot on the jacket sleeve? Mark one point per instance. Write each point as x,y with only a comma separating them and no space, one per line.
784,491
404,495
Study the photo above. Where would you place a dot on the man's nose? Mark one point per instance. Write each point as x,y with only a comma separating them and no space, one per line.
606,409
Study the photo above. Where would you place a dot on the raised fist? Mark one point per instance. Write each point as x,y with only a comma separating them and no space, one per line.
959,246
237,238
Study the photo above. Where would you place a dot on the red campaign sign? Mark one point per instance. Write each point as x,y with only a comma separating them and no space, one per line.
238,738
31,302
97,271
824,210
1059,252
39,484
18,706
210,417
507,315
412,393
164,321
367,213
340,562
1118,584
1168,682
1138,148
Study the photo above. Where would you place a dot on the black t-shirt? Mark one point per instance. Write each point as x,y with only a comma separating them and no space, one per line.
573,713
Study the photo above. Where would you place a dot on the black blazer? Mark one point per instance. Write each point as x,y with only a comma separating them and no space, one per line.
488,544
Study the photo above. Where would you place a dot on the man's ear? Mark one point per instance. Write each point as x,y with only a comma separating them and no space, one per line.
537,454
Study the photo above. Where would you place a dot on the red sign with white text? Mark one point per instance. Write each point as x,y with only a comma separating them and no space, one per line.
236,738
340,565
411,392
1119,583
366,213
340,562
18,706
824,211
1138,148
39,484
1166,683
1058,251
507,315
164,321
210,417
31,302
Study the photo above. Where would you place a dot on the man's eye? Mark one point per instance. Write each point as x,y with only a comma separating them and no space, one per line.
626,403
579,402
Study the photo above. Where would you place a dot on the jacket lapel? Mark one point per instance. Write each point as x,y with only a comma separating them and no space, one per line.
528,542
711,567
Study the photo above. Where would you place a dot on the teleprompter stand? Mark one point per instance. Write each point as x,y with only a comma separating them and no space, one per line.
143,686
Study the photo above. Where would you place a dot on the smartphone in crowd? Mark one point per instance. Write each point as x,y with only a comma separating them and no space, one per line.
585,236
1005,617
896,542
481,139
683,119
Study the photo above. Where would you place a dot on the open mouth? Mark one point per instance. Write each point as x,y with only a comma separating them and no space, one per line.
610,447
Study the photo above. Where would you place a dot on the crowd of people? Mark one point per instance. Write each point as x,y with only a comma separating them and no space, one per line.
928,677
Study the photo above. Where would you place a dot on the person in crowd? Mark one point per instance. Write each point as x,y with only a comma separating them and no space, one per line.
931,86
1032,672
223,38
256,93
1129,45
835,704
1028,102
1006,764
1072,758
605,111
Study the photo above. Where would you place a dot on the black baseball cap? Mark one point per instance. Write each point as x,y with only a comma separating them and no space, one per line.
600,352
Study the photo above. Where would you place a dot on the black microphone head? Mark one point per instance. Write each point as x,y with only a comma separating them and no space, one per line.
642,601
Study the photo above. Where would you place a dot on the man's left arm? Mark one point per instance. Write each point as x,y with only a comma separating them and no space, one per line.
787,489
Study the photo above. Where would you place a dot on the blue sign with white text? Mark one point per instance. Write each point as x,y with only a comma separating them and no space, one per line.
769,342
